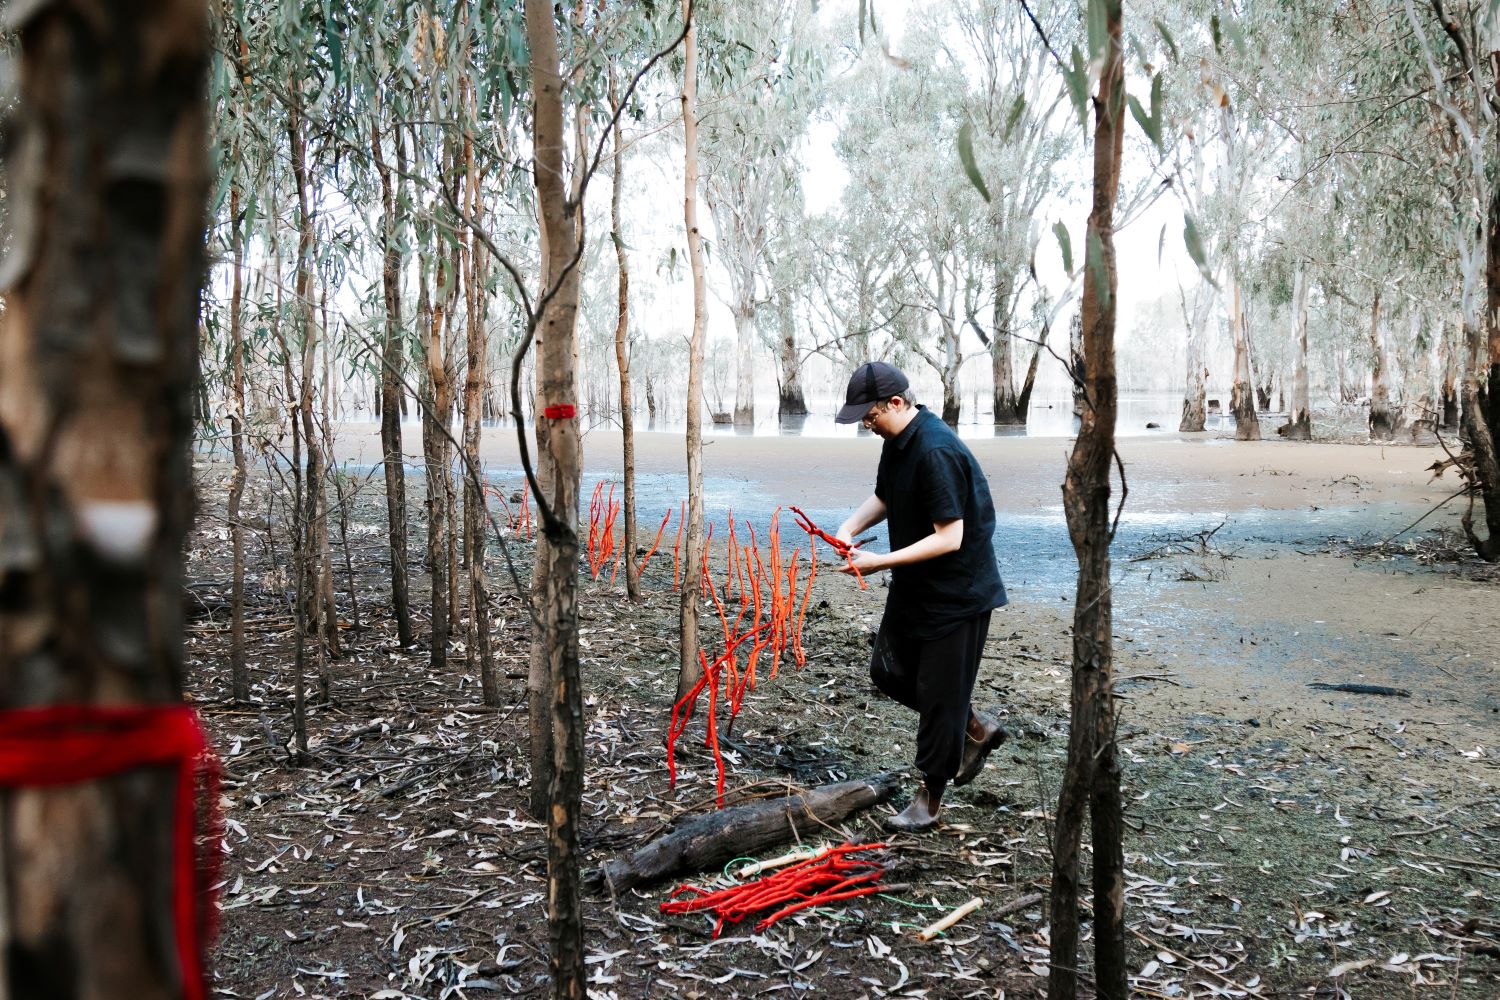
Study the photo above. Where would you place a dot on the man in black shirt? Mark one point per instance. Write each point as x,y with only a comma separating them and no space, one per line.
944,581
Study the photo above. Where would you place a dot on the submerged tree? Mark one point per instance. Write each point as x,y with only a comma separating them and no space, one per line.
1466,84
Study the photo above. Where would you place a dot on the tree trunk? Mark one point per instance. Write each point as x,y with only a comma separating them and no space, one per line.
435,416
476,520
391,389
309,567
792,401
1385,417
952,402
1007,404
689,669
1092,778
1194,399
328,615
1481,399
1023,401
106,186
1077,363
1299,426
1449,354
239,673
452,484
557,501
1241,391
744,365
622,350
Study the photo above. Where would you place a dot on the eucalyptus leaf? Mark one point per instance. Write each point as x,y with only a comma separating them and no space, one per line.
1168,40
1098,28
966,156
1095,253
1065,244
1076,76
1019,108
1141,118
1194,243
335,43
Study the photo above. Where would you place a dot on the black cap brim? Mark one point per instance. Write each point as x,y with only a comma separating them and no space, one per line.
853,413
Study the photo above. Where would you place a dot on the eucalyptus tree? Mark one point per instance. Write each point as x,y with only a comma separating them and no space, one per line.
107,186
622,336
1233,115
690,669
1197,306
850,259
1014,141
376,61
762,73
1091,781
895,115
1455,42
792,279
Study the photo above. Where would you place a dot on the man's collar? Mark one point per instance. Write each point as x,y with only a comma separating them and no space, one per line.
909,431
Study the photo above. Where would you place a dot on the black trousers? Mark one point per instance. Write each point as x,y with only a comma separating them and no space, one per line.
934,678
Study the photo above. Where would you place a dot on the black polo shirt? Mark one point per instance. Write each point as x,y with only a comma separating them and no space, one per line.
927,475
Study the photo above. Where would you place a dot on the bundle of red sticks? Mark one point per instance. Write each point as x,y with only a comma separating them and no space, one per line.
603,510
769,622
830,877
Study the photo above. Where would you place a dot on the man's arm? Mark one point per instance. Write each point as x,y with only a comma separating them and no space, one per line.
946,537
869,514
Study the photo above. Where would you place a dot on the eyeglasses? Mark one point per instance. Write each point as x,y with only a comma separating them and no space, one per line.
868,420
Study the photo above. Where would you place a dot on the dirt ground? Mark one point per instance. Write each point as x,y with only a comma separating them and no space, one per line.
1285,840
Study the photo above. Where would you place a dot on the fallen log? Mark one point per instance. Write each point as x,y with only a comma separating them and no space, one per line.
711,840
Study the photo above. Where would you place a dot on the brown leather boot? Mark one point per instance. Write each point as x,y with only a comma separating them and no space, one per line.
976,751
921,815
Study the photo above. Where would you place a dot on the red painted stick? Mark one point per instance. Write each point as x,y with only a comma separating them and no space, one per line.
641,570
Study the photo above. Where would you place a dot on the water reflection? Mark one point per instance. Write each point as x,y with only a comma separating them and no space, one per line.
1138,415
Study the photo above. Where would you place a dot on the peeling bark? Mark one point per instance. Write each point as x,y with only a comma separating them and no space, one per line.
106,183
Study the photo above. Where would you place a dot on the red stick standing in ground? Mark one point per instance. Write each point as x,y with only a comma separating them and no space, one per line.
641,570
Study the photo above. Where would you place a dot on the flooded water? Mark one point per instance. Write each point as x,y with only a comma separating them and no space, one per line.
1138,414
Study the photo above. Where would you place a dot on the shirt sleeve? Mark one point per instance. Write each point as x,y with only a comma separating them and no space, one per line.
944,485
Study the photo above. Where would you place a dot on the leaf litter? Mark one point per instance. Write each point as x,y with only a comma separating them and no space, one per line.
1341,860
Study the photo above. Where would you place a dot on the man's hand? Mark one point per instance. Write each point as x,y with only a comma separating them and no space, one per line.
865,562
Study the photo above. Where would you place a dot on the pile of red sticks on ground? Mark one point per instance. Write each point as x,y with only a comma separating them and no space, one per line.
831,877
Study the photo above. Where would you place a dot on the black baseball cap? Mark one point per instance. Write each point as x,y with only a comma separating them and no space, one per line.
871,382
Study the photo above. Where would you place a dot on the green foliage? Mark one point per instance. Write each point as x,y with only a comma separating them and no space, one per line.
966,156
1064,244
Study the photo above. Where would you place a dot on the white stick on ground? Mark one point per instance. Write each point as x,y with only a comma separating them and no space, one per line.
791,857
933,930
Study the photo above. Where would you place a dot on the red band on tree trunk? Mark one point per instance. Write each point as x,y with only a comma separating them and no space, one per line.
563,411
69,744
